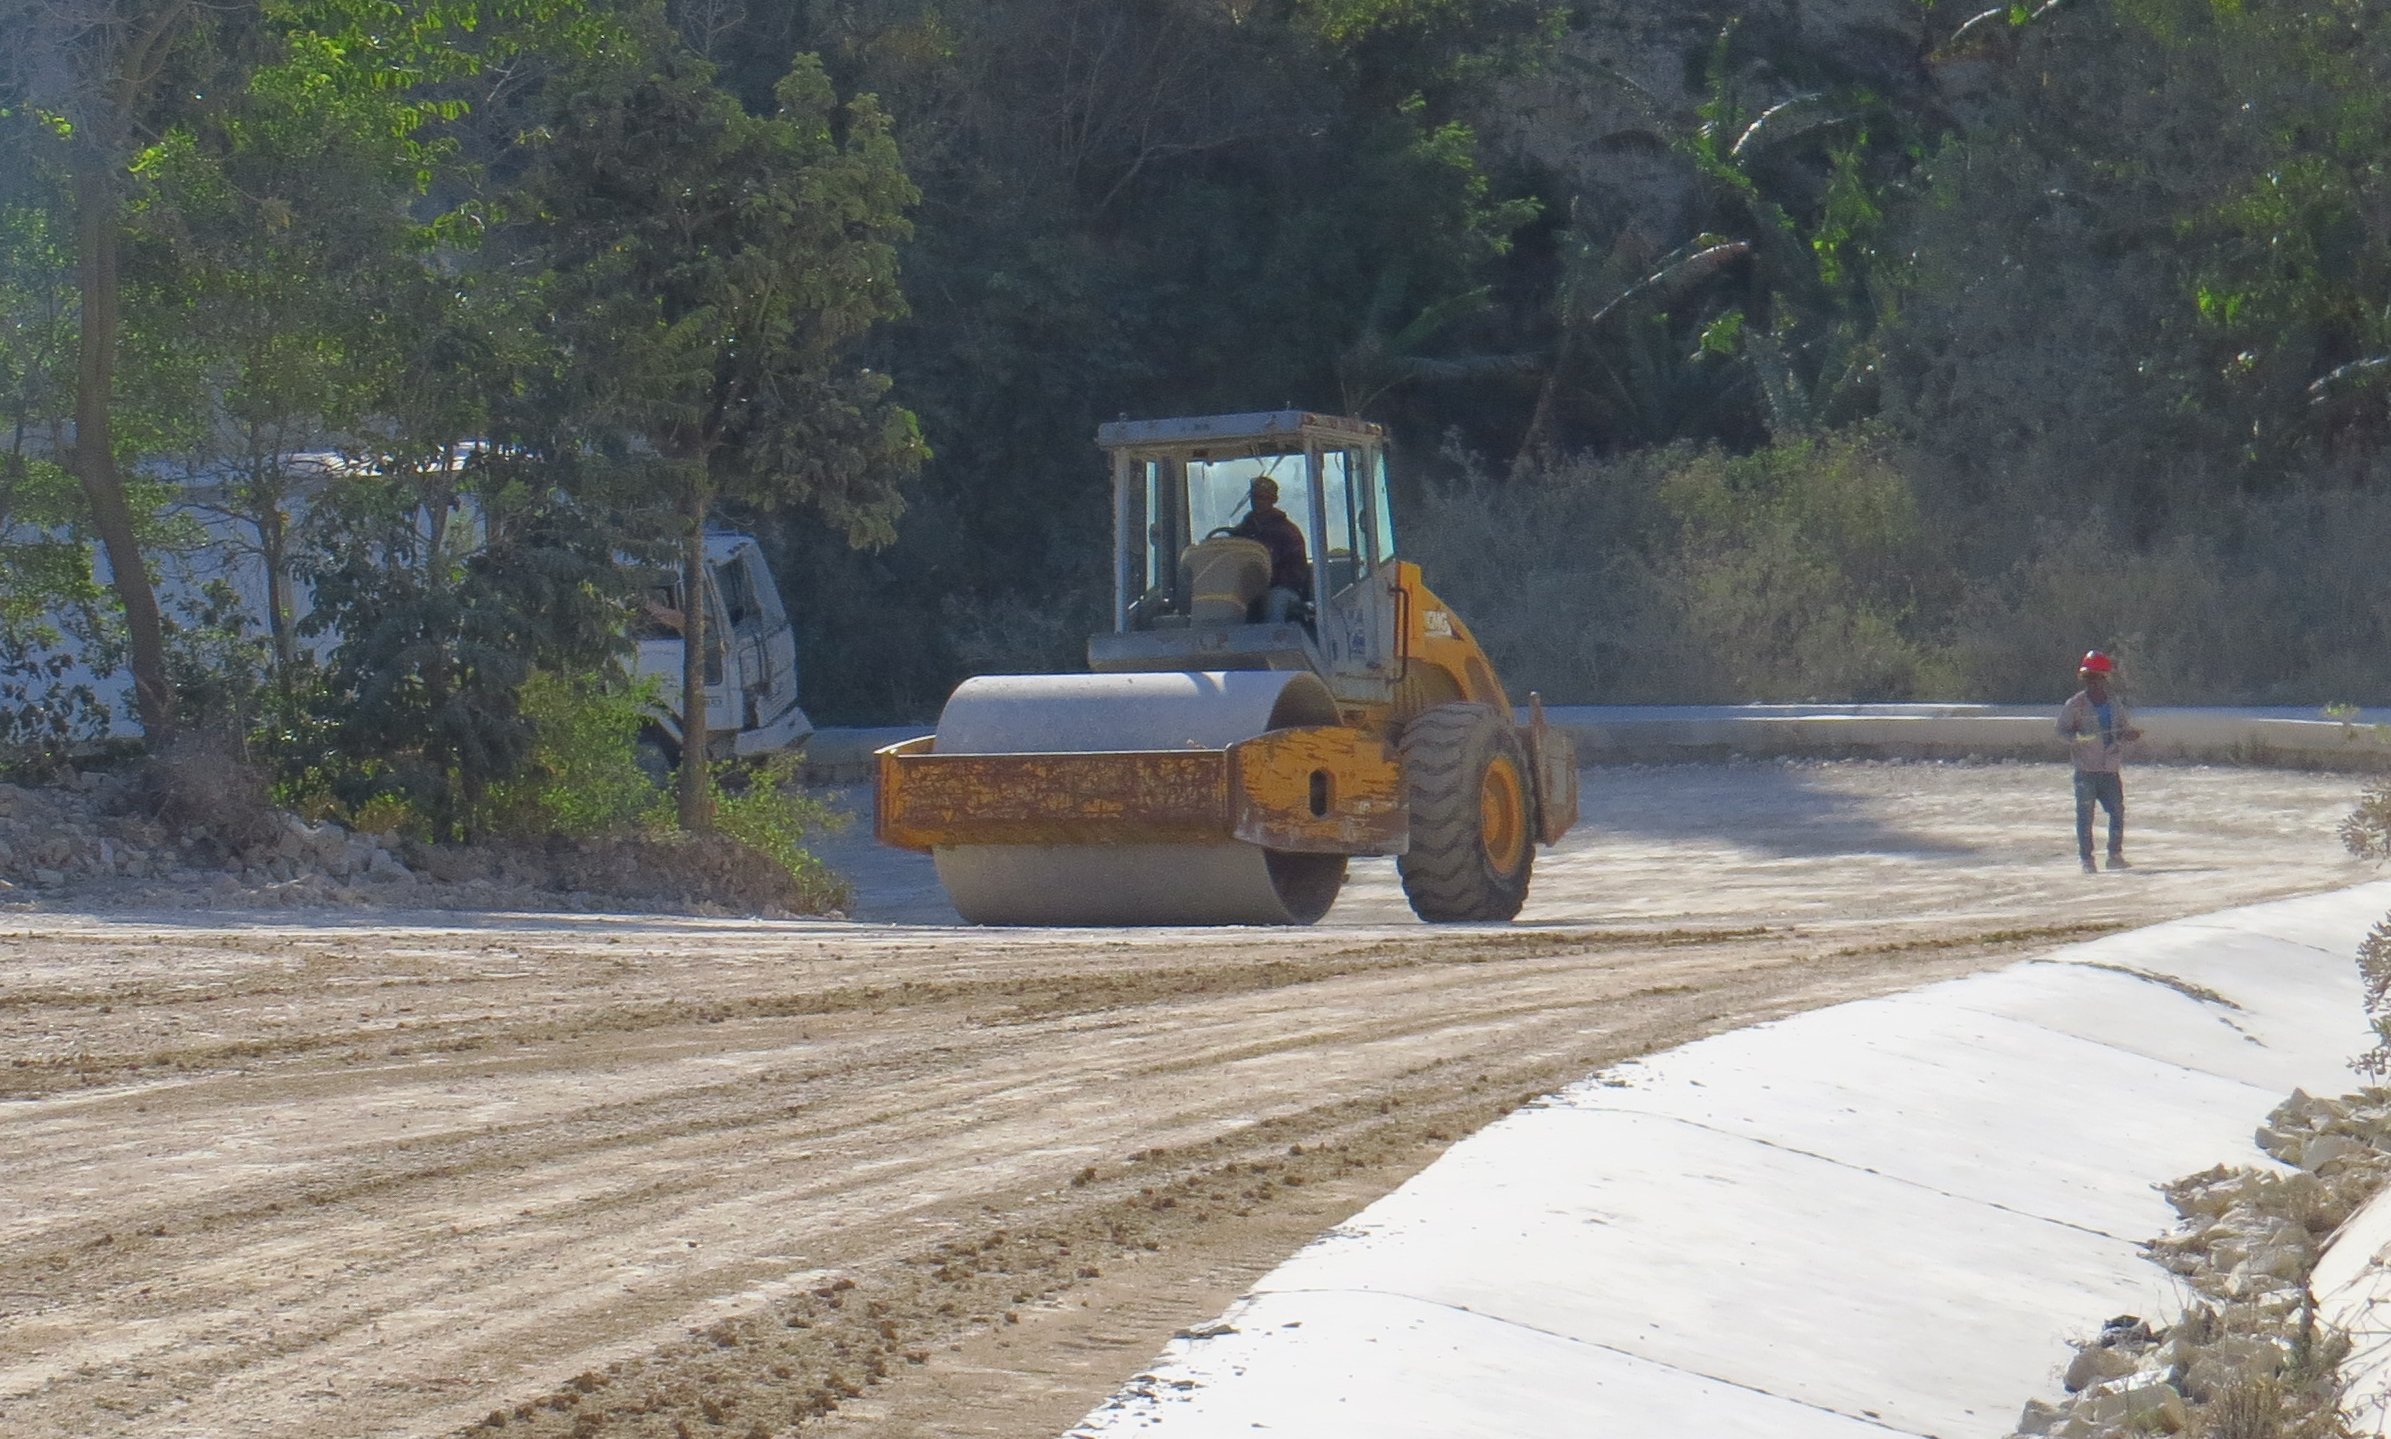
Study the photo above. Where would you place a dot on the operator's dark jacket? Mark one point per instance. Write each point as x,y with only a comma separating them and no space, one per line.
1288,568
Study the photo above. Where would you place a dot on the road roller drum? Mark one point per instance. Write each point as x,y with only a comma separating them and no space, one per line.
1193,798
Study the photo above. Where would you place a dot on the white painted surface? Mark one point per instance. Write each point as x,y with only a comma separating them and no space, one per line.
1885,1217
2352,1284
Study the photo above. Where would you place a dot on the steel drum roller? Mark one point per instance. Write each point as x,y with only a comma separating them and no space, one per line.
1219,882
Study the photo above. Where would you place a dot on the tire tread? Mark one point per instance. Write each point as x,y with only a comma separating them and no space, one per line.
1445,873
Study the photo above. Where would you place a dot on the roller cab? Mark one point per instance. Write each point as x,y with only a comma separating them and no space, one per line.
1277,693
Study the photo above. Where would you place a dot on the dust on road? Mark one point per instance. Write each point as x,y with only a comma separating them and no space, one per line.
639,1176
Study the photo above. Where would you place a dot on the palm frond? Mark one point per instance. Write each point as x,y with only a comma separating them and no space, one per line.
1680,272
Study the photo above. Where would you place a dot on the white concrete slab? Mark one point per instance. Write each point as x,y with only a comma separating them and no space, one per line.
1886,1217
2352,1284
1372,1382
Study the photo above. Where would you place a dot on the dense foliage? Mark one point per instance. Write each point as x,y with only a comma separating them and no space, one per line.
1868,350
2089,302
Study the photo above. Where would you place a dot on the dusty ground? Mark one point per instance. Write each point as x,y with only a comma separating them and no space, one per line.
391,1174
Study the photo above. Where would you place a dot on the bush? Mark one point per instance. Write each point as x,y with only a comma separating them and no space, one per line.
218,664
1815,569
2272,600
47,712
581,778
199,784
1555,575
1807,572
582,782
760,807
1803,571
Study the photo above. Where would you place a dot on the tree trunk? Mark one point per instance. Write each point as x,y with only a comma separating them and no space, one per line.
273,536
273,543
96,239
696,794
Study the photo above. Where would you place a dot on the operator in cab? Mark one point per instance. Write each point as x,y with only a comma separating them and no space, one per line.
1290,571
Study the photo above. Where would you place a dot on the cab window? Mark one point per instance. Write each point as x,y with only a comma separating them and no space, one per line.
1217,490
1382,509
1341,498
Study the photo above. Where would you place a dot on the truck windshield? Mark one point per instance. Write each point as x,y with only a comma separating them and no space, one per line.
1216,493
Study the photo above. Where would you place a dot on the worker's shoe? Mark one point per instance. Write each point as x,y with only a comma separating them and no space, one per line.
2116,861
2089,866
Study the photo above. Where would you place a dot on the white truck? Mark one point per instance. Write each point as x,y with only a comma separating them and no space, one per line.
751,648
751,660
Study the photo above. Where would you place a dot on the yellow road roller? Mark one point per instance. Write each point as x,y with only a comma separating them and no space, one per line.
1257,715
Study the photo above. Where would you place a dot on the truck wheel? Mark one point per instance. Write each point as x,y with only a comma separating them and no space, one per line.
657,757
1472,827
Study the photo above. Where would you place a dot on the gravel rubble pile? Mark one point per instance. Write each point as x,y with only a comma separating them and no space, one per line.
95,839
88,832
2248,1358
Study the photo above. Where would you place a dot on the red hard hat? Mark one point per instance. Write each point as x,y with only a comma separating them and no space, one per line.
2095,663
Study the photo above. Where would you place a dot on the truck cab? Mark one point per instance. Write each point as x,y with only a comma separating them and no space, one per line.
750,658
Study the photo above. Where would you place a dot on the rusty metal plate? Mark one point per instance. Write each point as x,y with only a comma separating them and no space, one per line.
1322,789
1143,797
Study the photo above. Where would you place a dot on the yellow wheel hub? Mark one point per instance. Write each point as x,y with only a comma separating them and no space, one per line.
1503,815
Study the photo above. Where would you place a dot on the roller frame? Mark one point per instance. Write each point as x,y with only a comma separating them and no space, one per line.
1313,789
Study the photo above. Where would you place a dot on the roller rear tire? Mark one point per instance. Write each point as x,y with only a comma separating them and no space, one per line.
1472,822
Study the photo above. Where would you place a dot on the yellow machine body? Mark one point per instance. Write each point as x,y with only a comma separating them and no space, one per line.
1218,765
1319,789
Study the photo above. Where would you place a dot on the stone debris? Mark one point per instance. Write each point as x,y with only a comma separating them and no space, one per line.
2248,1357
103,837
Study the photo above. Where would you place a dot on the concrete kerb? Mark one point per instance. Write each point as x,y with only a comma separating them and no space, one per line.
844,756
2303,739
1623,734
1887,1217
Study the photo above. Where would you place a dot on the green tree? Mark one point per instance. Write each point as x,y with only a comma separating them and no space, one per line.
226,170
1146,206
38,566
1760,325
444,591
55,618
2149,277
712,271
274,243
97,73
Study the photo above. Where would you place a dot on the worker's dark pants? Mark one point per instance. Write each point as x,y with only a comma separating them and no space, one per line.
2109,791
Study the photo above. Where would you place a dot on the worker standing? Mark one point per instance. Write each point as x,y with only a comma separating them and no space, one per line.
2094,723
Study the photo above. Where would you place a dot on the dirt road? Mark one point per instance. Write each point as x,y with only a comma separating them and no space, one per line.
390,1174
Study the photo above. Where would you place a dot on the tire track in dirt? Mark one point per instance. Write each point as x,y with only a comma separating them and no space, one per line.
649,1177
956,1055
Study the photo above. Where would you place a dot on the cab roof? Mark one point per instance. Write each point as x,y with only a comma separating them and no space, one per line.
1291,428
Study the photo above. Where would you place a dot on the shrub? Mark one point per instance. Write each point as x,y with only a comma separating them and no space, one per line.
1805,570
1554,572
218,664
761,807
1802,571
1816,569
198,784
47,712
581,778
439,619
582,782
